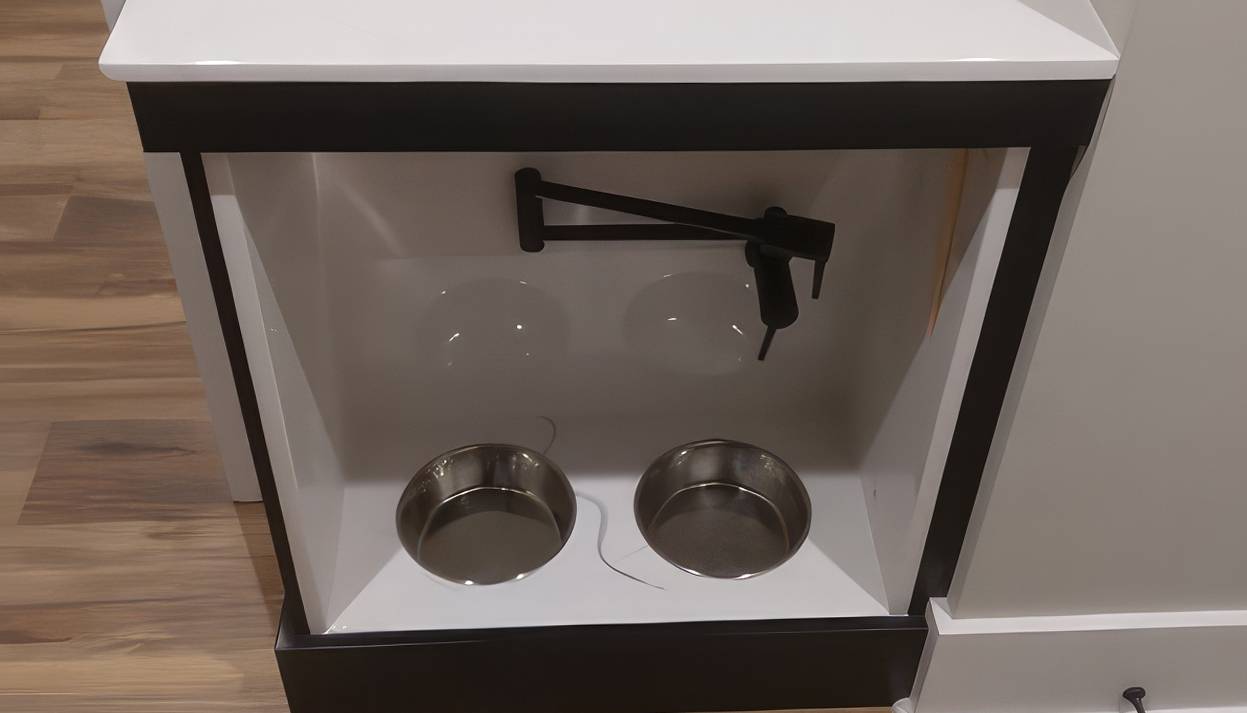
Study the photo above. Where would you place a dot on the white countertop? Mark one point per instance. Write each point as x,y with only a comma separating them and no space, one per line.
595,41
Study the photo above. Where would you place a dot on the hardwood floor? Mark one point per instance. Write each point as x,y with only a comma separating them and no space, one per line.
128,581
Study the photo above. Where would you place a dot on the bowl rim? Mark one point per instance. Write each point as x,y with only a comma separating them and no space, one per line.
565,534
790,473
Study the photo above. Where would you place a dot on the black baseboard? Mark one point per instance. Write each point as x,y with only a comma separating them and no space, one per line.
637,668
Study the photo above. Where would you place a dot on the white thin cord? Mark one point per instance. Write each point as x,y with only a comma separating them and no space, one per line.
602,538
554,432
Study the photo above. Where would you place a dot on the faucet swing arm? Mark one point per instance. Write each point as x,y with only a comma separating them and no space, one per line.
771,241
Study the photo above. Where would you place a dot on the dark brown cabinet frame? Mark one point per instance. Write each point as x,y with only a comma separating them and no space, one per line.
638,668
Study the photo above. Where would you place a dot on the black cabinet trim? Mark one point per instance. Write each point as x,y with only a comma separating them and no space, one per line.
499,116
1035,211
227,313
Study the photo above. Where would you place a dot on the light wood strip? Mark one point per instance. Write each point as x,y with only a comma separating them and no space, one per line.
35,314
69,141
178,398
76,355
29,71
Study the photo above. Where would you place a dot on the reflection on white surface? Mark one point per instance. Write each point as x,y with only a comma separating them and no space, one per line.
488,325
701,332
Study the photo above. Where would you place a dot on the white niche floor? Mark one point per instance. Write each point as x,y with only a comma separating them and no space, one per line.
834,574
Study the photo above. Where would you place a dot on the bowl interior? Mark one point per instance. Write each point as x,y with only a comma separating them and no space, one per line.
722,509
486,514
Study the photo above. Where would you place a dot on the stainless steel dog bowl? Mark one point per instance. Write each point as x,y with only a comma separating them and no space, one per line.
722,509
485,514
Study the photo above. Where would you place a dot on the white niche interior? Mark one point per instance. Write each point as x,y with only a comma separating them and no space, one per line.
389,315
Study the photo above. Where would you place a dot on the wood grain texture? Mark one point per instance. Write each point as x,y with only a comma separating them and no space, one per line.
94,220
21,446
263,559
77,355
128,581
52,269
103,471
134,611
30,217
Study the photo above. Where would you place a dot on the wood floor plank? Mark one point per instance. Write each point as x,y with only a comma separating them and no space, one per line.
31,313
75,355
87,69
21,446
84,15
29,71
18,179
103,471
135,610
82,91
70,93
102,399
130,583
137,563
114,571
19,105
33,43
82,270
94,220
127,373
255,533
131,703
68,141
122,179
31,217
